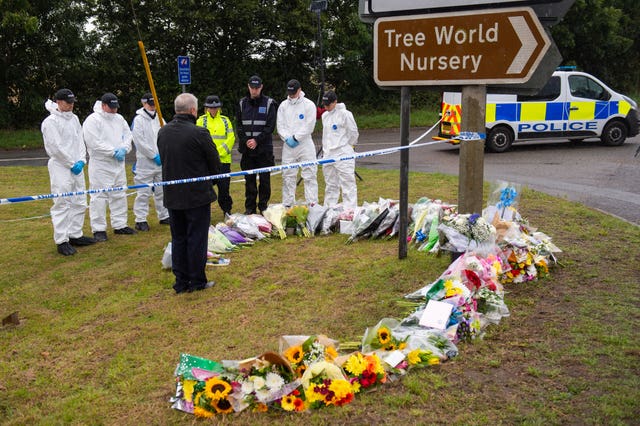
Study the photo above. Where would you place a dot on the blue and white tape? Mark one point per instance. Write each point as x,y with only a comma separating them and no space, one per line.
320,161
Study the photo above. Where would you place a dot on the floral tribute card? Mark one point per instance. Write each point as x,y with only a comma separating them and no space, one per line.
436,315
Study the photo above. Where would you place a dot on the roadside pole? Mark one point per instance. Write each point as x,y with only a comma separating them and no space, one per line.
471,171
405,116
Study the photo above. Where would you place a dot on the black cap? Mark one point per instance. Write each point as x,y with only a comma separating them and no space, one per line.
147,98
111,100
329,97
212,101
293,86
255,81
65,95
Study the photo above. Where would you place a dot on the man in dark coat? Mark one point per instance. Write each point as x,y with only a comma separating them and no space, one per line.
186,152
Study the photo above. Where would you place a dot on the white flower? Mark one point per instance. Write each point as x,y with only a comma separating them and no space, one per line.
274,381
263,395
247,387
258,382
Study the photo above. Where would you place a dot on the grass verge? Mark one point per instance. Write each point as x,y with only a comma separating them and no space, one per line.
101,331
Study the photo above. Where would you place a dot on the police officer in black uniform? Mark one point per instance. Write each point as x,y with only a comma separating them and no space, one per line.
255,123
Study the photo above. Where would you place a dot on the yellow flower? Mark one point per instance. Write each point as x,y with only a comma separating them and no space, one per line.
202,413
312,395
341,389
294,354
330,353
187,388
222,406
355,386
288,403
356,364
414,357
384,335
215,388
434,360
402,345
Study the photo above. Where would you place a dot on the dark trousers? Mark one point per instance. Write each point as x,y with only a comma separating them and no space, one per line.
224,199
251,190
189,237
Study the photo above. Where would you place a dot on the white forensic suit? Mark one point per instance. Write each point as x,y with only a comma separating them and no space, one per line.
103,133
145,132
297,118
63,142
339,136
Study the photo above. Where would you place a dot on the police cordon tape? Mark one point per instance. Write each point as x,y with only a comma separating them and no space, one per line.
320,161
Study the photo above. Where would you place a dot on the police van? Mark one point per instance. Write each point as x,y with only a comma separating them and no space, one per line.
572,105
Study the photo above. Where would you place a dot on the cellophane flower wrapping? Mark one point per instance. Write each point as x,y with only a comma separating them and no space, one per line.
503,201
218,242
331,219
298,216
303,351
366,220
382,337
466,232
315,216
262,223
386,225
232,235
276,215
245,225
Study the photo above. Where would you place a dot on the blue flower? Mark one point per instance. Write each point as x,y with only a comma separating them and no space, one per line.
473,218
301,116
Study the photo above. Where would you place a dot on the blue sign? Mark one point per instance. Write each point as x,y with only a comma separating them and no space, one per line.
184,70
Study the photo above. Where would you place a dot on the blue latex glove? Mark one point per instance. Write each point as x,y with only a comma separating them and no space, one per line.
157,160
291,141
77,167
119,154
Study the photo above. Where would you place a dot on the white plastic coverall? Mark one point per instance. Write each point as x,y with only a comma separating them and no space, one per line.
145,133
63,142
297,118
103,133
339,135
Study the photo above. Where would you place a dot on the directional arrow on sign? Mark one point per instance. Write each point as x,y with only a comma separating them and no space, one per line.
497,46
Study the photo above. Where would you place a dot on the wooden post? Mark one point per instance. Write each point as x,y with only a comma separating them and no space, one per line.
474,102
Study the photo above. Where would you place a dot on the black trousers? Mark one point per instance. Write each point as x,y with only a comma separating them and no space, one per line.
224,199
251,190
189,237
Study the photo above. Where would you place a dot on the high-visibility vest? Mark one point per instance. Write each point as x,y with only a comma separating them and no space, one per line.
221,131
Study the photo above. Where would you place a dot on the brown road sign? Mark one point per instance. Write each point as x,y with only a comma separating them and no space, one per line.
479,47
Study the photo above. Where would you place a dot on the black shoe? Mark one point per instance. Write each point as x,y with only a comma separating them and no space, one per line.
142,226
100,236
82,241
65,249
248,212
204,287
164,221
124,231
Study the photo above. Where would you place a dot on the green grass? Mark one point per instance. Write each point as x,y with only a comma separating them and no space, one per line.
21,139
101,331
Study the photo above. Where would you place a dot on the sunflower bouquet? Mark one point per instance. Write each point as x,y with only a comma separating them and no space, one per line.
422,358
303,351
211,397
364,371
381,337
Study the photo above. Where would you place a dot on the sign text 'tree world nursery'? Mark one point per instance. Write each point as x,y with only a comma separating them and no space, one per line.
480,47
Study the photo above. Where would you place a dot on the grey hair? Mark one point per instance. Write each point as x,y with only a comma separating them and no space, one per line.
184,102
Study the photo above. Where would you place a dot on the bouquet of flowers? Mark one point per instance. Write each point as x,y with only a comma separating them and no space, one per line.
303,351
325,384
381,337
422,358
276,215
267,382
364,371
463,232
297,217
